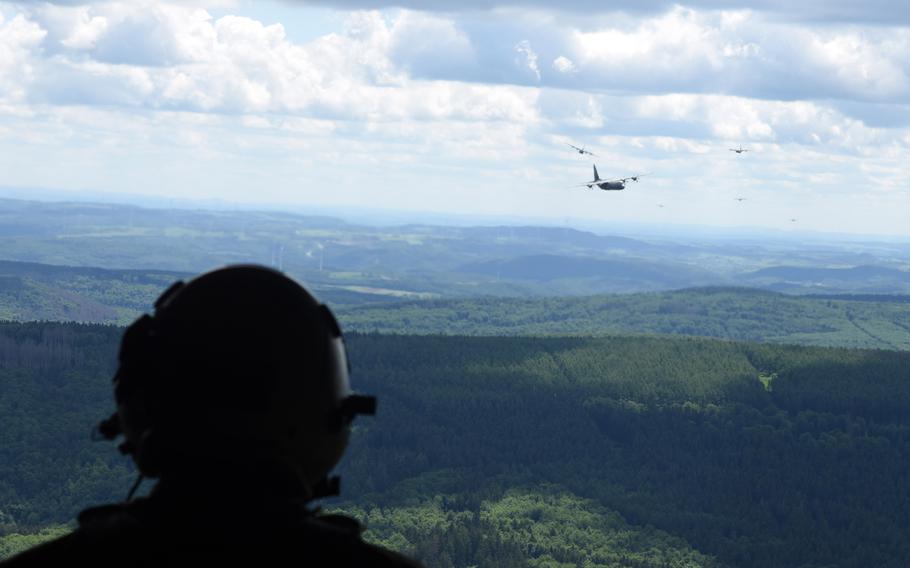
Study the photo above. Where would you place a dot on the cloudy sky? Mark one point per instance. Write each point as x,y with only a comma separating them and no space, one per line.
468,106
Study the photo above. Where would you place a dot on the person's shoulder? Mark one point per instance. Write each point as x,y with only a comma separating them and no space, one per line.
340,538
128,535
56,552
101,533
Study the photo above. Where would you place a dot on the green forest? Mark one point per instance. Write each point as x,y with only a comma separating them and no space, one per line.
730,313
39,292
539,451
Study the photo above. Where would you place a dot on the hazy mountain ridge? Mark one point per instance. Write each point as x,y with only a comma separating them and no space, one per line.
411,260
32,292
39,292
860,279
633,274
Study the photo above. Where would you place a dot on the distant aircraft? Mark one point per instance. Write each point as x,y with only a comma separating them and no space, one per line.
583,151
793,220
609,184
740,199
739,150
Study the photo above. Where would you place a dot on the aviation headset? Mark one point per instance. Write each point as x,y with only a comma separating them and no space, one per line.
238,365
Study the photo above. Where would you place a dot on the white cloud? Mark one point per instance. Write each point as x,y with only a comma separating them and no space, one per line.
182,58
876,69
739,119
236,64
529,57
458,101
870,11
590,115
743,53
564,65
84,35
19,39
429,46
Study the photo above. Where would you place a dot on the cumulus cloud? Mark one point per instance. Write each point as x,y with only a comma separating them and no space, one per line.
694,52
172,57
528,57
846,11
666,71
564,64
429,46
19,38
184,58
695,118
741,53
502,90
84,34
682,73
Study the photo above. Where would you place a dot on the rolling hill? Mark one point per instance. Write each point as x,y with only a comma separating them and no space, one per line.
515,451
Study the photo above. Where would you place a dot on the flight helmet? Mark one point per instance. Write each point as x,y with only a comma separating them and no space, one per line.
240,365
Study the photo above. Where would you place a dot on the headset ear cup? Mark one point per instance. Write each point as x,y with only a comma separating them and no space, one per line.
134,378
146,448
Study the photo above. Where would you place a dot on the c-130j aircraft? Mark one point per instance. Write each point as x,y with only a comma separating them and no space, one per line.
617,184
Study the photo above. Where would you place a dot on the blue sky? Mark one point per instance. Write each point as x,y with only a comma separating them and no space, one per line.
468,107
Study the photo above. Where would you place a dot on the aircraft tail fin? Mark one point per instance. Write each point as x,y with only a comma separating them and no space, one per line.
596,177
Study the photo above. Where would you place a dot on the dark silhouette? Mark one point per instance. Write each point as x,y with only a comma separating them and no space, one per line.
235,395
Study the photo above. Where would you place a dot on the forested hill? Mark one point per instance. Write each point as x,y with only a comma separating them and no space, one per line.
517,451
31,291
729,313
355,262
40,292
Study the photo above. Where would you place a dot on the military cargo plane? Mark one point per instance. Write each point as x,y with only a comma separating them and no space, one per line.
582,150
617,184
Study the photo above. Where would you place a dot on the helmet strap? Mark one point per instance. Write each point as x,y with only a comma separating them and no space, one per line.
136,484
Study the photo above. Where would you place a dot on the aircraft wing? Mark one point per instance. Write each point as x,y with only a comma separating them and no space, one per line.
582,150
628,178
614,180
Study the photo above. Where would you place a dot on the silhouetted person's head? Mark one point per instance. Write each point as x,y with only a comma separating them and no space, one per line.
237,368
235,393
